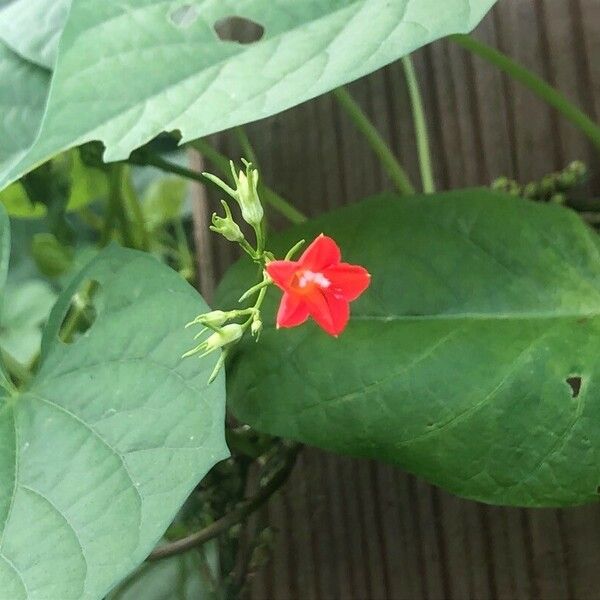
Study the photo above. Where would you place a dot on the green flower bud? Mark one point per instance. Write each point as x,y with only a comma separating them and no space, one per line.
226,226
227,335
247,194
256,327
215,318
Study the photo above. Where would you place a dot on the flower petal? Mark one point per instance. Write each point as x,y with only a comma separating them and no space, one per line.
292,311
329,311
348,280
322,253
282,272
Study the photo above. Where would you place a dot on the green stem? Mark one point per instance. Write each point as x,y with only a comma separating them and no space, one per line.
17,371
154,160
117,203
132,202
537,85
186,261
378,145
246,145
271,197
420,126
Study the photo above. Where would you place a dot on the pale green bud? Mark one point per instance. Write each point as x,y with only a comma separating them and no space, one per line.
226,226
247,194
224,336
256,327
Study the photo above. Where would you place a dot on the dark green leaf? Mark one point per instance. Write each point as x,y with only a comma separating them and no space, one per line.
472,360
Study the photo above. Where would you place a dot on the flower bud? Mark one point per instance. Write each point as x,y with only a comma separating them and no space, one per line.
226,226
247,195
227,335
256,327
215,318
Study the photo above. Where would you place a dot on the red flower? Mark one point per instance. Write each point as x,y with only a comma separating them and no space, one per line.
319,285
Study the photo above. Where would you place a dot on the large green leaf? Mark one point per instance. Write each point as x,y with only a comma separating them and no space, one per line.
129,69
456,361
100,450
32,28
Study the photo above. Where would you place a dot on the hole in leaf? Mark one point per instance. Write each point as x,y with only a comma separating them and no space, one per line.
574,382
239,29
184,16
81,313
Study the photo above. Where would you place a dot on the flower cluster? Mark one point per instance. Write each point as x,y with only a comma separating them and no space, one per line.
317,285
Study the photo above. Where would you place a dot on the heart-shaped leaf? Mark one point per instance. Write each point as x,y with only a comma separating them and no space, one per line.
100,450
472,360
130,69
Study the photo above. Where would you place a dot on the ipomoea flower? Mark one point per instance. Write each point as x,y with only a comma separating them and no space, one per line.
318,285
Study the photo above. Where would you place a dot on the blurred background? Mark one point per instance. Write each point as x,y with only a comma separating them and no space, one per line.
347,528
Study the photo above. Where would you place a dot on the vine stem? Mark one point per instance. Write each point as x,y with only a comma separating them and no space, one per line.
117,206
420,123
235,516
378,145
15,368
537,85
280,204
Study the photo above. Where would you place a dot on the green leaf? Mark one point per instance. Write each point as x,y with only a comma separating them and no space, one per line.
177,578
86,184
163,201
32,28
23,91
17,203
124,89
26,308
100,450
456,361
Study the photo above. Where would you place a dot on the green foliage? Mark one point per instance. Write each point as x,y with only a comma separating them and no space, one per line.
163,201
181,76
25,309
32,28
23,88
101,448
459,361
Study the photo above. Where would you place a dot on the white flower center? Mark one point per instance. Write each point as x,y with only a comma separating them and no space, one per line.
311,277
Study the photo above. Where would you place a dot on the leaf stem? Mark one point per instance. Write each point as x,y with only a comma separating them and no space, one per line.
378,145
537,85
280,204
17,370
117,203
246,145
237,515
420,123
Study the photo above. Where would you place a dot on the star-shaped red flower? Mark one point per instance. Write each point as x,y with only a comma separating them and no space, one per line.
319,285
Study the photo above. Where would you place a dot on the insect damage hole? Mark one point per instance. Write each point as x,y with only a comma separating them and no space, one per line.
81,314
239,29
574,382
184,16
